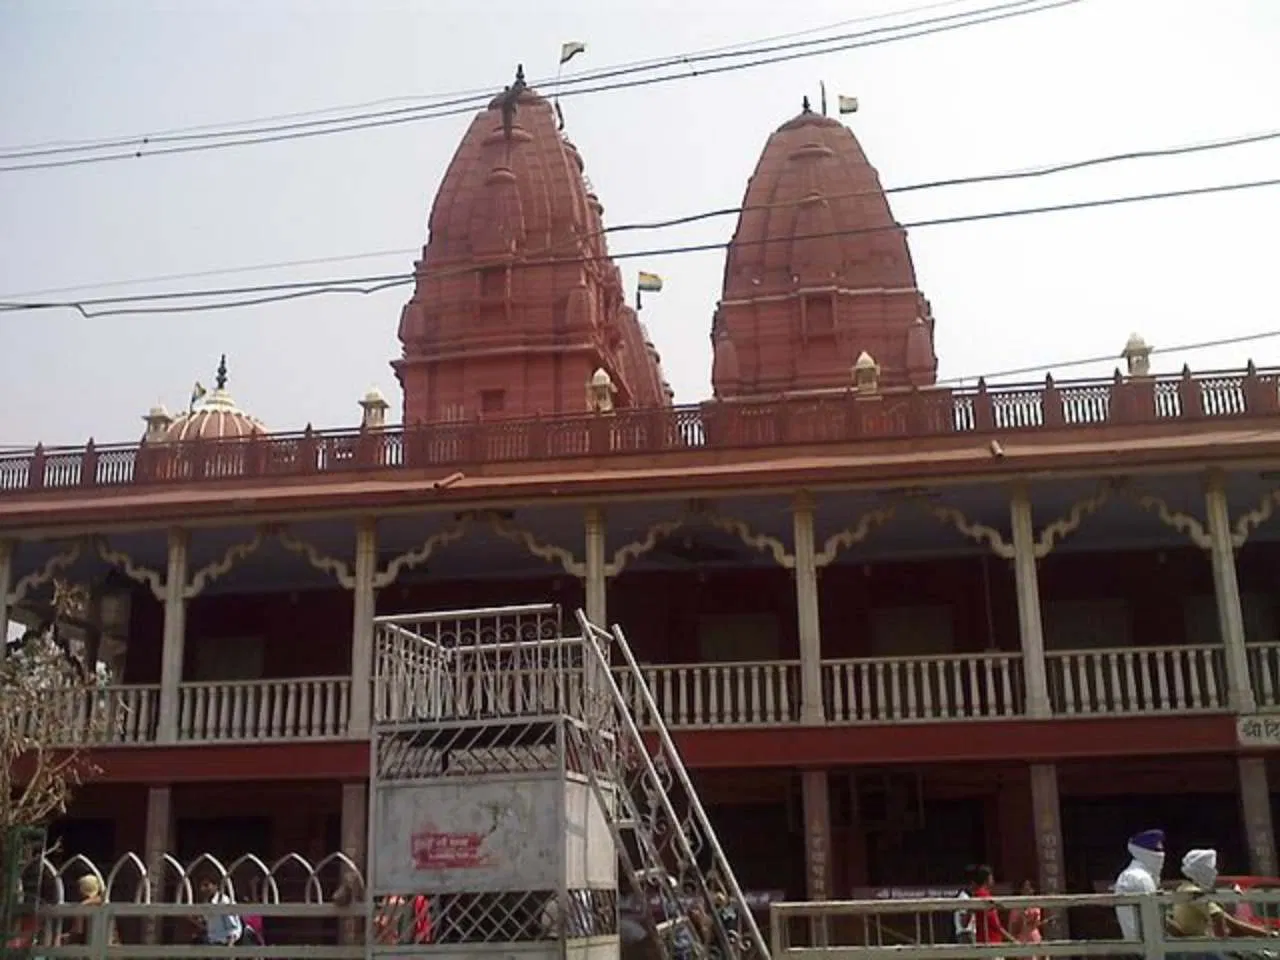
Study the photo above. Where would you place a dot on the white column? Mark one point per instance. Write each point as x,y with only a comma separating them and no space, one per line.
6,584
1222,556
808,625
596,581
1030,625
175,634
363,606
1046,815
1255,805
157,842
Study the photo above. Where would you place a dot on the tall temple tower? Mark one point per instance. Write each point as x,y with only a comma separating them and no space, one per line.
517,309
817,274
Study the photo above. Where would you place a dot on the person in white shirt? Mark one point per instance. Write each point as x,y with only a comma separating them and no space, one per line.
1141,876
225,929
966,922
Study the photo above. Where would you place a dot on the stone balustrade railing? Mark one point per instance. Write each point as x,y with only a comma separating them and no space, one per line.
309,708
746,694
1112,682
1170,680
837,418
975,686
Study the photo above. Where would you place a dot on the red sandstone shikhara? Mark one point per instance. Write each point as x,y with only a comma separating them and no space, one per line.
1045,610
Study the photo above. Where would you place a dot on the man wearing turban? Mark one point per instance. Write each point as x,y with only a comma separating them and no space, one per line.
1140,877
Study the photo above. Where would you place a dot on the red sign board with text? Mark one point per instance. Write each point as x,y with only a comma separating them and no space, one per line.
433,850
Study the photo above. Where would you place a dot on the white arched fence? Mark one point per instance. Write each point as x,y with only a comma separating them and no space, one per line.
310,907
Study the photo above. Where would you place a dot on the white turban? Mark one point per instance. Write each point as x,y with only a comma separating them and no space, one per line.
1201,868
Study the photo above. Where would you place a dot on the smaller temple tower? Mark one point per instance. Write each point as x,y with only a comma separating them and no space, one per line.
517,305
818,274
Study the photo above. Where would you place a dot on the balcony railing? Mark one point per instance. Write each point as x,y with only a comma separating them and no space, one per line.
114,715
746,694
311,708
882,690
977,686
1264,673
835,419
1114,682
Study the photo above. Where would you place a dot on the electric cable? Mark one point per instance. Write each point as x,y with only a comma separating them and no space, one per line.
274,293
1030,172
230,127
303,130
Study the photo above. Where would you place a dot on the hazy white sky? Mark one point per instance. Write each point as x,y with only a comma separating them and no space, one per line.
1099,77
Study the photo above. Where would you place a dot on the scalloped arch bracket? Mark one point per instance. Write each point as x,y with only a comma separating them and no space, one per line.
1048,538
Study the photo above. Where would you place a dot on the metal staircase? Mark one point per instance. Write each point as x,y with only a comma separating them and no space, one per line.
688,896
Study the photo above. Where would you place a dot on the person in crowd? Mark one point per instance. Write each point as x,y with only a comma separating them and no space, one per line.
92,894
220,929
1140,877
1198,916
987,926
1026,924
966,924
403,920
254,930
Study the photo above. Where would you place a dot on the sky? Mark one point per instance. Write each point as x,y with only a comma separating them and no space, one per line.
1094,78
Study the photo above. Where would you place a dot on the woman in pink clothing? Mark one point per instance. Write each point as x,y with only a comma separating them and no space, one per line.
1026,923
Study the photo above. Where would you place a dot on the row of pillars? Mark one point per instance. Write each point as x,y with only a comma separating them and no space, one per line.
178,590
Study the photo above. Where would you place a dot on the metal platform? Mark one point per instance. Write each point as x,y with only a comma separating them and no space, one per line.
508,781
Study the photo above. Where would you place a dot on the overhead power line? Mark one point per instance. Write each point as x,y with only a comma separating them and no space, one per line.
427,100
275,293
1003,176
307,129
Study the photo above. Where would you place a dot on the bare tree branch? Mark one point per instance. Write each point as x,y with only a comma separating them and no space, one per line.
54,706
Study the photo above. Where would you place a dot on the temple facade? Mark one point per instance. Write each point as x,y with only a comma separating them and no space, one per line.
895,628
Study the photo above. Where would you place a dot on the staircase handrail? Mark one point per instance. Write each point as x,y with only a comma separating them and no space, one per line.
590,633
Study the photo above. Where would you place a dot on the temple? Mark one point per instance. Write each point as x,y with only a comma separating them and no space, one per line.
818,274
894,628
517,308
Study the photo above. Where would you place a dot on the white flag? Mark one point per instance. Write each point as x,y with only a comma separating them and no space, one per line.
570,50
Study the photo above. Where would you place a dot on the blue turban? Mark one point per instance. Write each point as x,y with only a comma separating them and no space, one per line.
1148,840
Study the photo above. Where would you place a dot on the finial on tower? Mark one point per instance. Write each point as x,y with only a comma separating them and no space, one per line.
510,97
804,105
221,382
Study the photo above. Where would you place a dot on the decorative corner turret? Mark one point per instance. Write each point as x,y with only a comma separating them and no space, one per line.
866,374
158,421
1137,356
600,391
374,409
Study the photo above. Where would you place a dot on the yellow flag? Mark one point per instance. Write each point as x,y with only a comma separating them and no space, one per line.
649,282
